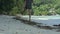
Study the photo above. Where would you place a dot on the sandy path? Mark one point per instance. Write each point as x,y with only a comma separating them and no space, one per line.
12,26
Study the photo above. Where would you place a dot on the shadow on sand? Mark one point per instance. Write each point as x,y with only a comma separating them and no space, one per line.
39,25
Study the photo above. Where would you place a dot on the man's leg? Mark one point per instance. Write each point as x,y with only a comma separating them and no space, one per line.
29,13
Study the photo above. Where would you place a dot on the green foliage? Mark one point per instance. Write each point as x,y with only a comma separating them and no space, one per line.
11,6
14,11
6,5
40,7
58,11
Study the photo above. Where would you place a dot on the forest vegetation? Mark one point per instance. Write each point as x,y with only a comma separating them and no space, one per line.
39,7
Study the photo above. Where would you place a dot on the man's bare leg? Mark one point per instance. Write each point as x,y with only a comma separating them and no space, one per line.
29,13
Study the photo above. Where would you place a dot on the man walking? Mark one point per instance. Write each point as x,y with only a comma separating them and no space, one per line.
28,7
